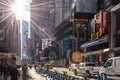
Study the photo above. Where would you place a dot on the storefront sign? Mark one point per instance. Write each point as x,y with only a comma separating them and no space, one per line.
80,22
92,43
103,39
94,36
104,19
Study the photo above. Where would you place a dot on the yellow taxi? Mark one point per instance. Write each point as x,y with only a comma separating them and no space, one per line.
72,67
48,66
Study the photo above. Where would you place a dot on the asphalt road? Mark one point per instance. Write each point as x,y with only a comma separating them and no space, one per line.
33,75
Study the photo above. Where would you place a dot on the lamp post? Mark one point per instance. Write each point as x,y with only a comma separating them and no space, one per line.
26,33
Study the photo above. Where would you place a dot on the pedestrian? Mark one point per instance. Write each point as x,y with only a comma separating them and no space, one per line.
6,71
14,73
35,66
24,70
0,69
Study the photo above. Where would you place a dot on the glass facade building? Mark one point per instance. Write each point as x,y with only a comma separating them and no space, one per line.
62,10
87,6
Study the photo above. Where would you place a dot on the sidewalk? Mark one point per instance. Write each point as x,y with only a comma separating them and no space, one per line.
2,77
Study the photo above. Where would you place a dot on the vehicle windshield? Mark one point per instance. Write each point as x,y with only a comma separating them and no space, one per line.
108,63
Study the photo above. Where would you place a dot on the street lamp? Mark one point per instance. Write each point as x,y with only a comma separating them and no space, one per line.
26,33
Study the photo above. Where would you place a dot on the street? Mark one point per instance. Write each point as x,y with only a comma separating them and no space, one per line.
33,75
70,73
8,78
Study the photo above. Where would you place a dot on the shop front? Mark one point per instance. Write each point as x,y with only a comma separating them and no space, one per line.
99,57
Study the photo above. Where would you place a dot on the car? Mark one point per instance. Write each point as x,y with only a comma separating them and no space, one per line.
72,67
48,66
87,69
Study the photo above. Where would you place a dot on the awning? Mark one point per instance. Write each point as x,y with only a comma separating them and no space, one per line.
93,43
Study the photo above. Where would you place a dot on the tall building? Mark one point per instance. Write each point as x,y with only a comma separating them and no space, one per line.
42,23
70,14
114,10
104,28
9,32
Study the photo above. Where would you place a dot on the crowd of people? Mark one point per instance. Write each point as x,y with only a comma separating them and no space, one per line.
14,71
9,70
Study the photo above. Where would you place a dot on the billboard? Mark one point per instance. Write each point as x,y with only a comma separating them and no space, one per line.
94,36
103,19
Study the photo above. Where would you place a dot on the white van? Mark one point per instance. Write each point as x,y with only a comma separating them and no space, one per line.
111,68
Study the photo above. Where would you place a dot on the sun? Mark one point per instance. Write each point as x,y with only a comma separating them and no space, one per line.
19,8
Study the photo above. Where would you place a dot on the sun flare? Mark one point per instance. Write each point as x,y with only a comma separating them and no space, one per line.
19,9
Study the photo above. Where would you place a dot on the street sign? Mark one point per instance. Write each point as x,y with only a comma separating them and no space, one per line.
94,36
